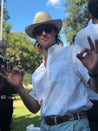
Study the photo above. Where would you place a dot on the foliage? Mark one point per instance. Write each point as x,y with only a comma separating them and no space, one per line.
17,97
27,78
76,19
28,89
22,52
20,49
6,29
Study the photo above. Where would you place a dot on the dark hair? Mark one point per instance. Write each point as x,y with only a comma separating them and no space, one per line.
93,8
73,39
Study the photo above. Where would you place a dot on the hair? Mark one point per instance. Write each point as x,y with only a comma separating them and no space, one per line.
57,38
93,8
73,39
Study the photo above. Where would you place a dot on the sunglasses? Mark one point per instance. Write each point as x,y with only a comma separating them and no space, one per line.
39,29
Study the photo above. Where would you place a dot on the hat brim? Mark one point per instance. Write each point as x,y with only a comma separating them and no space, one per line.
29,29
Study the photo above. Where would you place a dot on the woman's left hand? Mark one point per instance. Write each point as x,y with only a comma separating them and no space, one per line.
89,57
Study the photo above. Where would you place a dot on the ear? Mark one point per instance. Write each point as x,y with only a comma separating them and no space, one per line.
91,15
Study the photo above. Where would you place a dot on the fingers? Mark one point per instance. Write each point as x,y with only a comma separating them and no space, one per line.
13,71
90,43
18,71
4,70
96,46
80,55
8,67
2,75
22,72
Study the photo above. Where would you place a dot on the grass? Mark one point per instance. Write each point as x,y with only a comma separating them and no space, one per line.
22,117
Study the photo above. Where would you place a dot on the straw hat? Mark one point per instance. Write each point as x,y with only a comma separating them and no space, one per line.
3,50
42,18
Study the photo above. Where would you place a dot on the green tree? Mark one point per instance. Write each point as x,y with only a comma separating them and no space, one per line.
76,19
6,29
22,52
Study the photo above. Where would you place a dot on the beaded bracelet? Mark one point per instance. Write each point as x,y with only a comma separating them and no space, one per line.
94,76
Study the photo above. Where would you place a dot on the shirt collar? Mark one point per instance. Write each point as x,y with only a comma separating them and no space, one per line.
54,48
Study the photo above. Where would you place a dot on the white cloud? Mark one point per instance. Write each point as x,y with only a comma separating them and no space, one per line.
53,2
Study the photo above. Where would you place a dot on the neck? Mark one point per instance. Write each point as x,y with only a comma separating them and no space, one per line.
95,21
45,50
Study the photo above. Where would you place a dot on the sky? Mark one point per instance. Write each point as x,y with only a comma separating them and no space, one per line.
22,12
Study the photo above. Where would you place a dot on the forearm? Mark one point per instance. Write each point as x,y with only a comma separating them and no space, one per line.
29,101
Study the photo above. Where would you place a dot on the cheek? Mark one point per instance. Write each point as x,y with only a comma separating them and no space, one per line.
53,36
40,42
38,39
53,39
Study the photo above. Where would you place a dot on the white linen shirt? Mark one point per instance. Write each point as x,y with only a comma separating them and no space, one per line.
81,39
61,87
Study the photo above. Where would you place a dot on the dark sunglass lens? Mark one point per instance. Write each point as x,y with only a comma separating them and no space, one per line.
38,32
48,30
40,29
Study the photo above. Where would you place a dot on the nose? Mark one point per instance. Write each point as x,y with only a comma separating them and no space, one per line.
44,34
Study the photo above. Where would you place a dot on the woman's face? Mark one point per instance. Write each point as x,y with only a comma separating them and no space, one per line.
46,36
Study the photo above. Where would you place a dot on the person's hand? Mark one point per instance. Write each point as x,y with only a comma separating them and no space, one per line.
89,57
14,77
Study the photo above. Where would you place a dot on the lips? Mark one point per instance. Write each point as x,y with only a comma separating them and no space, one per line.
46,38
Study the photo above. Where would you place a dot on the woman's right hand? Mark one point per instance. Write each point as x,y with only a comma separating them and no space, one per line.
13,76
